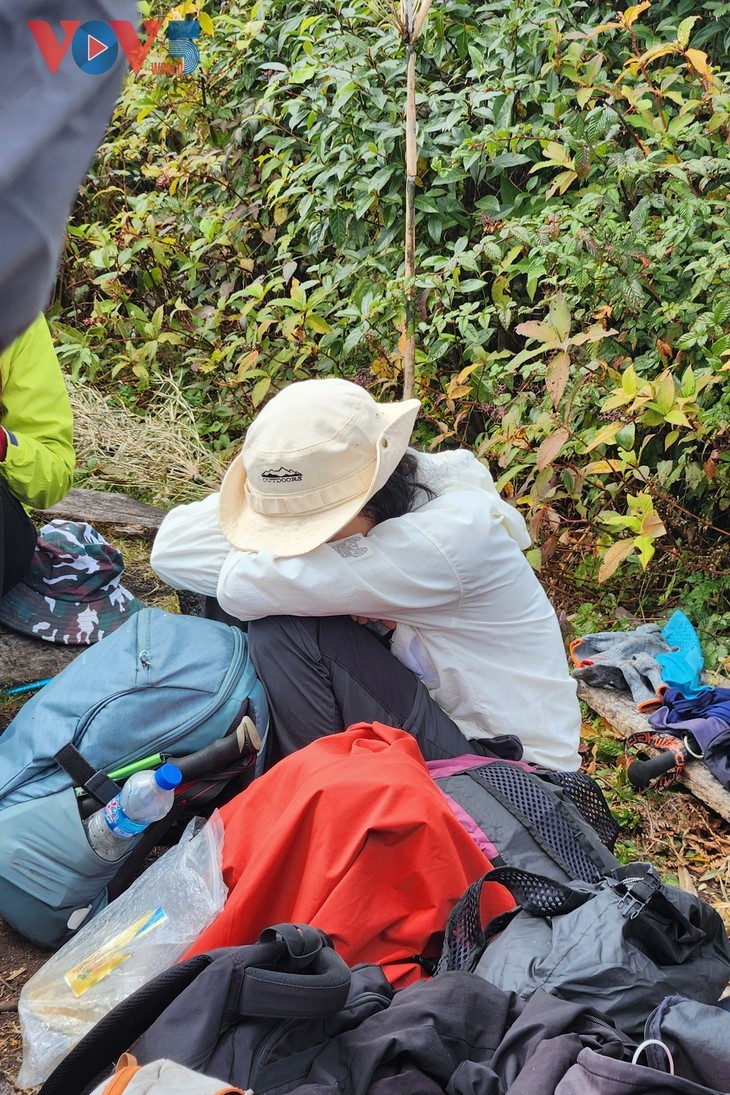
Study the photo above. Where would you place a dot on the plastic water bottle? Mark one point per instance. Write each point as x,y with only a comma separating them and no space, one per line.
146,797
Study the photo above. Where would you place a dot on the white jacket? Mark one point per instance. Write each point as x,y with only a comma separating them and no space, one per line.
472,620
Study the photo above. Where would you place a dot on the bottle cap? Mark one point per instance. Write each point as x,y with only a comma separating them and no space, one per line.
168,777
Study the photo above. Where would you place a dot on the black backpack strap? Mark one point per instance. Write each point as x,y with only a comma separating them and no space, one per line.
120,1028
588,799
466,937
537,894
310,978
85,775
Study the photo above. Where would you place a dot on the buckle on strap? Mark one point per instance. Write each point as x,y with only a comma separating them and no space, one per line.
638,892
85,775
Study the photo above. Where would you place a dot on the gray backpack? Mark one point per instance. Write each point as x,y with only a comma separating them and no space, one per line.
549,823
619,945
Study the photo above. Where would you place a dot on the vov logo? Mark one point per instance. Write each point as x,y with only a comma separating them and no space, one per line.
181,35
94,45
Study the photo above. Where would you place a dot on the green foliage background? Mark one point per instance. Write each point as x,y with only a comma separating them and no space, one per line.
242,228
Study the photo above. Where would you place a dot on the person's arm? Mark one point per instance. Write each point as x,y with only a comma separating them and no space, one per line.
36,419
396,572
190,549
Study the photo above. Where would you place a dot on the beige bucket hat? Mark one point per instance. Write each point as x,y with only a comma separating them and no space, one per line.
312,458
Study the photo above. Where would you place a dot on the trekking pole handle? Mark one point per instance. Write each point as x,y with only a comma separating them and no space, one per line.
642,772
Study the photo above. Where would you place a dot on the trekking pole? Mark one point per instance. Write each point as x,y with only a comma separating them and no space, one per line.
642,772
671,759
20,689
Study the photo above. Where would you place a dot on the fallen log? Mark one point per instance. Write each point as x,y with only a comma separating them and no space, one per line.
618,710
23,659
119,514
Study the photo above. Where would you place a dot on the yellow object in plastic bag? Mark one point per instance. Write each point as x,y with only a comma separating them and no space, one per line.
140,934
100,963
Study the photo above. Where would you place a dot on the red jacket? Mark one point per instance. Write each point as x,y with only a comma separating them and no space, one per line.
349,834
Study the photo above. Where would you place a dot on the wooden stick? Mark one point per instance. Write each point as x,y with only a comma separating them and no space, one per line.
420,18
409,357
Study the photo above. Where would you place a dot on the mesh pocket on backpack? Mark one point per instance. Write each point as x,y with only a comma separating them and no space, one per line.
587,797
523,794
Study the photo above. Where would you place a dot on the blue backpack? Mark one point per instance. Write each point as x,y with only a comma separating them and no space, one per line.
160,684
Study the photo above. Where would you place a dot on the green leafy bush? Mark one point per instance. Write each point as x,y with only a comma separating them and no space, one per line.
243,228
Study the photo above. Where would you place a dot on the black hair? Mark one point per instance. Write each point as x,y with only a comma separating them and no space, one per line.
399,494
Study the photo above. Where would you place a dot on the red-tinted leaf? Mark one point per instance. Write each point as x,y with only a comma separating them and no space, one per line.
614,557
558,372
550,448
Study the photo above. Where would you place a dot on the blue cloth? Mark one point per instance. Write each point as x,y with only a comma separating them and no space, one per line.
713,702
707,718
682,666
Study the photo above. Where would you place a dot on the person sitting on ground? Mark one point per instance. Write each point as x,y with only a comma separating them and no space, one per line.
379,584
36,444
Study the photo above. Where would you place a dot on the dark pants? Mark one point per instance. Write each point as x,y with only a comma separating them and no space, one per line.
322,675
17,539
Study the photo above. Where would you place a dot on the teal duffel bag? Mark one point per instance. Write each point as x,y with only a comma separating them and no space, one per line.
159,685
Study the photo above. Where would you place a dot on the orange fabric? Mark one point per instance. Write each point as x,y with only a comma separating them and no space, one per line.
126,1069
574,643
352,836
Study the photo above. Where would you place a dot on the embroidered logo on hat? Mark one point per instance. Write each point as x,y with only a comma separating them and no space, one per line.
282,475
72,591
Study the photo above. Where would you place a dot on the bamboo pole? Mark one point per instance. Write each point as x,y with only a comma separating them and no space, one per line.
412,20
408,18
409,356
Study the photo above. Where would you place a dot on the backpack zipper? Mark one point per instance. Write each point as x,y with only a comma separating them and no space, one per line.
265,1046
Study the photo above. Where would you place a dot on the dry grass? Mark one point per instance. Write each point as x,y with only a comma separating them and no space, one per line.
158,457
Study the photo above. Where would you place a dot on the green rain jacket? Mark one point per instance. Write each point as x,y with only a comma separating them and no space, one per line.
36,416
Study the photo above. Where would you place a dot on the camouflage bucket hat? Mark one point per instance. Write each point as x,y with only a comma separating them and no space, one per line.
72,591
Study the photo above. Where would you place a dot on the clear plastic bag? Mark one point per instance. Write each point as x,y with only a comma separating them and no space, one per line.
146,930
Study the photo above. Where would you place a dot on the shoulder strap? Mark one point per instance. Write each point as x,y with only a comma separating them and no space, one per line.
537,894
466,938
538,807
293,972
588,799
121,1027
310,979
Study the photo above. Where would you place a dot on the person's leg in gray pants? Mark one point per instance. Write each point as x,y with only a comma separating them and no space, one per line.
321,675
